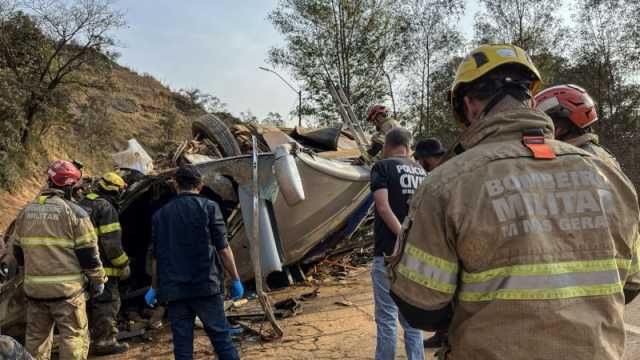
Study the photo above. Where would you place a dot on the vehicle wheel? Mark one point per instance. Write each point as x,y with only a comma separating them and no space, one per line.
214,129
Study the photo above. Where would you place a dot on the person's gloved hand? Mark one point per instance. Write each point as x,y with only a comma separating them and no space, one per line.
237,290
125,273
96,290
150,297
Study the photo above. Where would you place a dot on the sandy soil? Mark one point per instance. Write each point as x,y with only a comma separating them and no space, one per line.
325,330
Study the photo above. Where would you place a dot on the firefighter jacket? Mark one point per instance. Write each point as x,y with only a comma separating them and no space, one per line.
590,143
106,220
55,241
532,252
377,140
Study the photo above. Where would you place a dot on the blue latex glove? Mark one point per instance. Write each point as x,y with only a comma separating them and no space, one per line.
237,290
150,297
97,290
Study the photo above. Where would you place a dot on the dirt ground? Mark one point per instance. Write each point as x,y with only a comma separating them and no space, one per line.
325,329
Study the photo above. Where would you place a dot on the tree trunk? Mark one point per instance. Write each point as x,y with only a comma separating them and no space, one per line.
30,115
422,95
393,100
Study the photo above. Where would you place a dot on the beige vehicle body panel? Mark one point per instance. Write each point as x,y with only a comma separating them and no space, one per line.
333,190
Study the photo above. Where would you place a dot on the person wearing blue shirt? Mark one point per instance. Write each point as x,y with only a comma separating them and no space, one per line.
189,251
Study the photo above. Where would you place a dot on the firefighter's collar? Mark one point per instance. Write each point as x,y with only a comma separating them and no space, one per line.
584,139
506,125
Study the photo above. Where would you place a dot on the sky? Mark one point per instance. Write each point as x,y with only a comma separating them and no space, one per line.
215,46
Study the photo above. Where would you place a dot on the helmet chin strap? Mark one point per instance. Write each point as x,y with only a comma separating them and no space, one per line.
517,90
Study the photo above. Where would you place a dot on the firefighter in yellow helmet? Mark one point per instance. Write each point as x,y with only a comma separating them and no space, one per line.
104,309
522,246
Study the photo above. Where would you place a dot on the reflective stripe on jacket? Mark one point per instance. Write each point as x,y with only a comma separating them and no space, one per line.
106,220
58,246
534,254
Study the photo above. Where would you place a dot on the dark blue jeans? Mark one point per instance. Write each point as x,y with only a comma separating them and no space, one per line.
210,310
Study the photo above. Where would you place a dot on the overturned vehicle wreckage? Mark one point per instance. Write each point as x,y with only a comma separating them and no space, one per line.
311,197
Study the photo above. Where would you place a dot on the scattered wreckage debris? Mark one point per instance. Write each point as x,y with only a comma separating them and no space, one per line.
296,227
290,301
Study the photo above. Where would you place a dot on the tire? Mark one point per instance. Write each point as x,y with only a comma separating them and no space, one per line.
214,129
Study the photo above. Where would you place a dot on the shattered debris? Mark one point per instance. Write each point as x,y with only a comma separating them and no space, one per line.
344,303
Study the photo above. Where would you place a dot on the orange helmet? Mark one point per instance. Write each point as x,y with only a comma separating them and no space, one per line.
63,173
568,101
377,109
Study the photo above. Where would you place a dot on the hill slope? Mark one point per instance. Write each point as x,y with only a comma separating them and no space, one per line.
100,123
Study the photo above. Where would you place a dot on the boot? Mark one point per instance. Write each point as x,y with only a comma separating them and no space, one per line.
436,341
115,347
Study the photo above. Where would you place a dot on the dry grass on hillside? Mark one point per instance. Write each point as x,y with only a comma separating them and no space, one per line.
101,122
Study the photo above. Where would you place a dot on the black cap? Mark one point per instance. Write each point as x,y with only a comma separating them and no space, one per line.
188,177
429,147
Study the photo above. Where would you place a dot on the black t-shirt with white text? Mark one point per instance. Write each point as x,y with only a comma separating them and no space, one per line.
401,177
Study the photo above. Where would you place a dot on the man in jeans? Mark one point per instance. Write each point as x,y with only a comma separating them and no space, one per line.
393,182
189,248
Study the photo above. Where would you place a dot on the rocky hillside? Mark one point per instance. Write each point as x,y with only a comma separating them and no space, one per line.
101,120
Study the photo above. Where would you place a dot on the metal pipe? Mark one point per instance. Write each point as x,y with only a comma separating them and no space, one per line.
255,244
297,91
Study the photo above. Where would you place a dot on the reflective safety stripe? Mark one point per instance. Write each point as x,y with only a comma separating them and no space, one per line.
431,260
546,281
428,270
635,265
543,294
120,260
112,271
424,280
52,279
87,238
46,241
92,196
546,269
635,262
104,229
42,199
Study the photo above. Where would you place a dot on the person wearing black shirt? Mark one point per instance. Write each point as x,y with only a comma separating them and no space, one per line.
429,153
393,182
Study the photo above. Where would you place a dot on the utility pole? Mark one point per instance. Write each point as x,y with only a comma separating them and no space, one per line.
298,91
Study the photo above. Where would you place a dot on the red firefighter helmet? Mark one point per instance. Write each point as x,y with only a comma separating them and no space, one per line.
377,109
568,101
63,173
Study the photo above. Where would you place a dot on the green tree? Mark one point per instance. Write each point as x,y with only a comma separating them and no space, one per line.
248,117
169,124
207,102
43,47
534,25
604,63
430,38
442,123
273,119
346,41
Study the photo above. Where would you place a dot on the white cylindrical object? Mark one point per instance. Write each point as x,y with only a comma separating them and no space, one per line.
270,259
287,175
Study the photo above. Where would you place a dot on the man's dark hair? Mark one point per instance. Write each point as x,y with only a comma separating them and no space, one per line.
429,147
188,177
398,137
